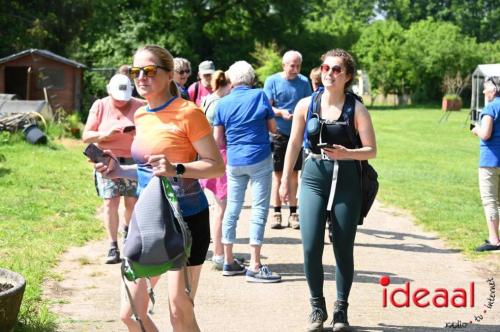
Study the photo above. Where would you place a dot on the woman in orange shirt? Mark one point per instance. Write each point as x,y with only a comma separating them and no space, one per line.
173,139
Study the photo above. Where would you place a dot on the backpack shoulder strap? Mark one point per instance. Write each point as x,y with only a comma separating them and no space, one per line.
348,115
314,108
196,90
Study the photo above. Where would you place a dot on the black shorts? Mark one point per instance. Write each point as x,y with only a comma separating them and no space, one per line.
199,225
279,143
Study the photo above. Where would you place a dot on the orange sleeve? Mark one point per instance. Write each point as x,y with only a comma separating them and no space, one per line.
196,123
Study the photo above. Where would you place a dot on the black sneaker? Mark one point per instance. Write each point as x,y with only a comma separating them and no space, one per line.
340,322
113,256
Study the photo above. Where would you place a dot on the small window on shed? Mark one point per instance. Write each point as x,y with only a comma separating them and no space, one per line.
50,78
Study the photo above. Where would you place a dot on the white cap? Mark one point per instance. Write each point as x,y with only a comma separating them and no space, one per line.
120,87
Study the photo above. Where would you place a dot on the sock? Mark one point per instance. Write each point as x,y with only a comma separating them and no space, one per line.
114,244
277,209
293,209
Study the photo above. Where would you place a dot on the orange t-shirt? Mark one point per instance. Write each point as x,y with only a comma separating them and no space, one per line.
103,116
170,131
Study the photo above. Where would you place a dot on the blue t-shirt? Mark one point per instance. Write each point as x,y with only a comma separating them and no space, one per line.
286,94
191,198
489,150
244,113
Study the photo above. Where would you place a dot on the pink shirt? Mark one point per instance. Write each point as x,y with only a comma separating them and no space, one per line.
103,116
202,93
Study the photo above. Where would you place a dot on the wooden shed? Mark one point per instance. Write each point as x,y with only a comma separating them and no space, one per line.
40,74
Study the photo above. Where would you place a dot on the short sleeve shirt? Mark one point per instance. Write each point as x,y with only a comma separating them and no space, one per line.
171,131
202,92
104,116
244,114
489,150
286,94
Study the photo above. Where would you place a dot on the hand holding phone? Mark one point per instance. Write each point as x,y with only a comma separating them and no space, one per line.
96,155
472,125
325,145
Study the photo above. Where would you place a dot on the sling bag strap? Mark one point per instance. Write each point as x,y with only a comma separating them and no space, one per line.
172,199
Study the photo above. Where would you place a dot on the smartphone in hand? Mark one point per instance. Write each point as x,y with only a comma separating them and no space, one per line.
325,145
128,129
472,125
96,155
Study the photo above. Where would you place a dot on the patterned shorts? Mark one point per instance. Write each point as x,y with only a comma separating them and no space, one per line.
110,188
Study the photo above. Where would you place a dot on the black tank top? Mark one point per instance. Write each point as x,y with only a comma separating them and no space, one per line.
332,132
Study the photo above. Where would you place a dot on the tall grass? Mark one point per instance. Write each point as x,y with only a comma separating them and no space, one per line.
47,204
430,169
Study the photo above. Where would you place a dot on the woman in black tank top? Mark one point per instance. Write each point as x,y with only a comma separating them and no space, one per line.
330,183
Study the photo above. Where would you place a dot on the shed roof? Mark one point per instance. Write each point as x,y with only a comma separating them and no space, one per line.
487,70
44,53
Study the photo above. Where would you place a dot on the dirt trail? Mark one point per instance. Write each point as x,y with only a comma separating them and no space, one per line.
87,297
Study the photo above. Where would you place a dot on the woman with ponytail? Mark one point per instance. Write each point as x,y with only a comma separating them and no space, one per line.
220,87
173,139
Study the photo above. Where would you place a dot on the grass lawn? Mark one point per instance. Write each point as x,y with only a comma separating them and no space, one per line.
47,204
430,169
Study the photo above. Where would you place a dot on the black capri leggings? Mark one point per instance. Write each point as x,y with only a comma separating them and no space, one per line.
199,225
314,193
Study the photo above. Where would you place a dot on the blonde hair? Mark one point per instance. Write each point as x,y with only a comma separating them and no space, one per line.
181,63
315,76
219,80
166,60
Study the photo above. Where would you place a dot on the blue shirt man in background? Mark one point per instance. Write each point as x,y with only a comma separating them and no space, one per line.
284,90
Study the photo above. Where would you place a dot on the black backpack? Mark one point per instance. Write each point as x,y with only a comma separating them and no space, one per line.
369,177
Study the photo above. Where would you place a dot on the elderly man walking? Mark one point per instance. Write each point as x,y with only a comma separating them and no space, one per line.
242,122
284,90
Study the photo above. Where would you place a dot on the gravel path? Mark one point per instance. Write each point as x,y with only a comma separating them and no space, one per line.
86,298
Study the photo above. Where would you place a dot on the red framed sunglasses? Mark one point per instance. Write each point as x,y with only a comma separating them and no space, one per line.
336,69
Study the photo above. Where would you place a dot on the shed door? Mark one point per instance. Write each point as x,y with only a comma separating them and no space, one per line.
16,81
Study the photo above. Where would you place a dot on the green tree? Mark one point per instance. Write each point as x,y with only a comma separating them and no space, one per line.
476,18
435,49
382,55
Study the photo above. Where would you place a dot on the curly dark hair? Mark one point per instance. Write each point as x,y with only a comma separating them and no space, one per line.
347,59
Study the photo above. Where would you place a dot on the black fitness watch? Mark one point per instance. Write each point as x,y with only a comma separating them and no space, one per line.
180,169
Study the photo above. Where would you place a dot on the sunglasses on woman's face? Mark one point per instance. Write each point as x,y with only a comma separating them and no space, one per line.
149,71
336,69
185,71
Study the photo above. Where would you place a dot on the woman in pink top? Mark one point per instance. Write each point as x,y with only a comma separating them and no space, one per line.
110,126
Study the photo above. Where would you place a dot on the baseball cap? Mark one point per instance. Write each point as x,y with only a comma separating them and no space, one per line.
120,87
206,67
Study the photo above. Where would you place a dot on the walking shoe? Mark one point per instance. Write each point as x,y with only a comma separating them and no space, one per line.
264,275
318,314
233,269
340,322
293,221
218,262
276,221
487,246
113,256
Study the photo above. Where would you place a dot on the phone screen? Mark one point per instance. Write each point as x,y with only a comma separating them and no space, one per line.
128,129
325,145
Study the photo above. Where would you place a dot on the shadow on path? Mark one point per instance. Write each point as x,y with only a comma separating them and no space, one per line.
393,235
421,248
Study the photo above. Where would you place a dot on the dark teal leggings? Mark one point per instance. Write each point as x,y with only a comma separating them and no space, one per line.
315,189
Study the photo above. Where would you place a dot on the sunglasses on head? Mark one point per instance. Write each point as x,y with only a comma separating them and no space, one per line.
149,71
185,71
336,69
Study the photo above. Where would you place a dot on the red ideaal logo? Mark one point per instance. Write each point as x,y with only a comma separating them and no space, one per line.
423,297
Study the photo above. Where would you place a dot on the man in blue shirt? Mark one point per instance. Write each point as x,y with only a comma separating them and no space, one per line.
284,90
